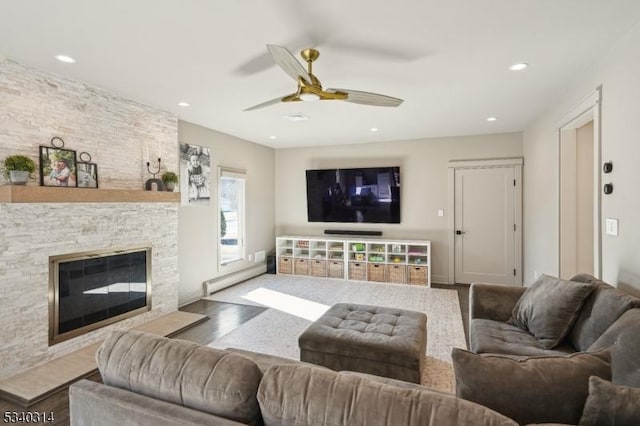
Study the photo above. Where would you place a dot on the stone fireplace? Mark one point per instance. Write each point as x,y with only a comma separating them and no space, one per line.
32,233
37,223
93,289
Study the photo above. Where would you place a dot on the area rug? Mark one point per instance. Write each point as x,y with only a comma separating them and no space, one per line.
294,302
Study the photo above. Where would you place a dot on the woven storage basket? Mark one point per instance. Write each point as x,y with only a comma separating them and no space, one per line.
285,265
418,275
357,271
376,272
397,274
336,269
301,267
318,268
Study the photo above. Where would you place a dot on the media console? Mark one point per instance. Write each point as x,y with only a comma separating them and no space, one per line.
363,259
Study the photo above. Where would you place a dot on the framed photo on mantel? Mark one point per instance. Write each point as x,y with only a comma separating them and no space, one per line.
87,175
57,167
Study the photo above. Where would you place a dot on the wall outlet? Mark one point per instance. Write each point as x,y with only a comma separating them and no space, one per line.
440,212
260,256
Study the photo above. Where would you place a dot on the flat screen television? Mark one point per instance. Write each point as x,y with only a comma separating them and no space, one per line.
367,195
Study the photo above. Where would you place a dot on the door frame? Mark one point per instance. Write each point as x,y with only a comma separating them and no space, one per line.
516,163
586,110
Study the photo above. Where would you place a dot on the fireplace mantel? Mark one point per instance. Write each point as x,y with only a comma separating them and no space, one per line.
46,194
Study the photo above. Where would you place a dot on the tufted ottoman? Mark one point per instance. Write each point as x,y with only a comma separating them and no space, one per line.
370,339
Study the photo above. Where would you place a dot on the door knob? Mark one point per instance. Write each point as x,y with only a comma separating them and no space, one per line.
459,232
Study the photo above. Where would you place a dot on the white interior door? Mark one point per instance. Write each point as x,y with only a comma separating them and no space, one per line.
485,225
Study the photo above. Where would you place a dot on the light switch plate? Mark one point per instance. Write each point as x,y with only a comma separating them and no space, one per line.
440,212
611,226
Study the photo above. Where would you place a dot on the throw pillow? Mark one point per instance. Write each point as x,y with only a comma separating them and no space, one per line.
549,307
610,404
529,390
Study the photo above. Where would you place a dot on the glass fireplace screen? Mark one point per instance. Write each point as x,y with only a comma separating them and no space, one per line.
93,289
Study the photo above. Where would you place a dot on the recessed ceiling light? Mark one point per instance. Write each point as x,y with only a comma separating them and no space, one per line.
491,119
273,137
295,116
373,129
519,66
183,104
66,59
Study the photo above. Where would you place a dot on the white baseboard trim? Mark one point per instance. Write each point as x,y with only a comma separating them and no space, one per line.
440,279
218,283
187,298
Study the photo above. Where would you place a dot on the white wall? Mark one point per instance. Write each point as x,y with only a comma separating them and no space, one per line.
197,225
423,177
618,73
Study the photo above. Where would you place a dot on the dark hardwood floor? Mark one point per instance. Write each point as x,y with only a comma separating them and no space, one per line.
223,318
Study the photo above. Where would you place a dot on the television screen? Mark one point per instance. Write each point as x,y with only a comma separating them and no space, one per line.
368,195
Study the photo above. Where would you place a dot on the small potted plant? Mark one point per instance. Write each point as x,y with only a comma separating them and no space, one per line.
170,179
18,169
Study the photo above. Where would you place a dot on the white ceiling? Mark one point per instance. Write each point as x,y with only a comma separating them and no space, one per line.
448,59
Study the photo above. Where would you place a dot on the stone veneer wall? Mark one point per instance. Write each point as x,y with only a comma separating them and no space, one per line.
119,134
30,233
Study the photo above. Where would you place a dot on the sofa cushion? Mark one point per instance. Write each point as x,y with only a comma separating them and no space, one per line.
529,390
611,405
623,341
185,373
300,395
487,336
601,309
549,308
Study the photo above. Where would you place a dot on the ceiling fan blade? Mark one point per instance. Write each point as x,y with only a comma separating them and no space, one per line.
367,98
288,62
265,104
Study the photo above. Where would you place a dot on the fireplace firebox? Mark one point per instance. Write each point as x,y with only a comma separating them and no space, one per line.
90,290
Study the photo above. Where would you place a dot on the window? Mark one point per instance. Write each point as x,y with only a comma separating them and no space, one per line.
231,202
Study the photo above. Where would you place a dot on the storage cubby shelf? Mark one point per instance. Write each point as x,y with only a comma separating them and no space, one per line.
363,259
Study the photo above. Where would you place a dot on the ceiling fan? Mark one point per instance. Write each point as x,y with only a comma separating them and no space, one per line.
309,87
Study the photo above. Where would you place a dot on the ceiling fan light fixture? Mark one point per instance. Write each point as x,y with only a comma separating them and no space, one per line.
309,97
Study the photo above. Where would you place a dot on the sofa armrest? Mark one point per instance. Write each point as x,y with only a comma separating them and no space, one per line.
92,403
493,301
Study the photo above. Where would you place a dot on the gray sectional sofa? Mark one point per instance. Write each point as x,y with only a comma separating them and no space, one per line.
578,334
152,380
608,319
516,373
